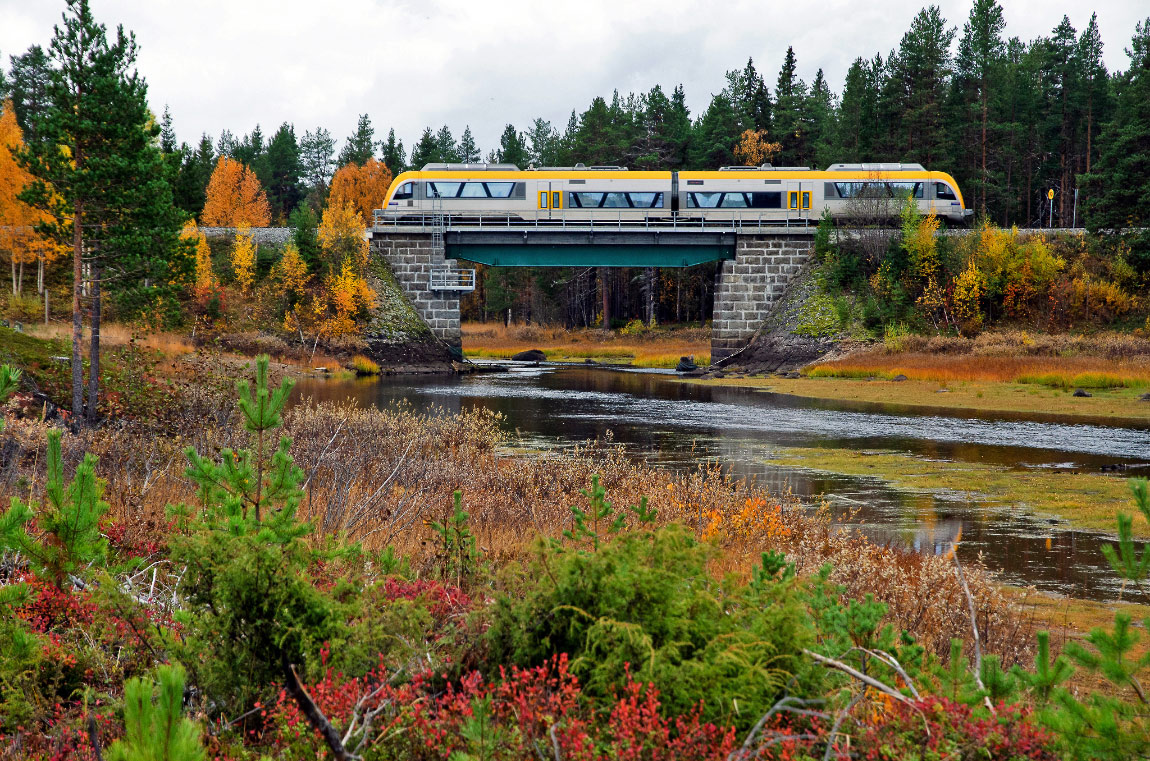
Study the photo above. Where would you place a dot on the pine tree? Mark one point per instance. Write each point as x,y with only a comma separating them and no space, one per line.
1095,85
978,69
304,223
1120,183
394,157
360,146
61,538
544,143
715,136
919,76
819,115
426,151
28,88
445,145
512,149
154,728
468,151
283,168
317,158
106,189
191,184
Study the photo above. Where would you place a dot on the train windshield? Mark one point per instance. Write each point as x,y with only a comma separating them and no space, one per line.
405,191
943,192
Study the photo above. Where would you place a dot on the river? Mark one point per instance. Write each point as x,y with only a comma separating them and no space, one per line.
678,425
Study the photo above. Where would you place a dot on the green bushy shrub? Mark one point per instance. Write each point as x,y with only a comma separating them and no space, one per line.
645,603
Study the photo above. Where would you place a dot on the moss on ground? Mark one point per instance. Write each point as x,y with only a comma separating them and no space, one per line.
1084,500
1120,404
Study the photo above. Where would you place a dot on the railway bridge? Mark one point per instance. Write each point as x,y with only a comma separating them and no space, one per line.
428,257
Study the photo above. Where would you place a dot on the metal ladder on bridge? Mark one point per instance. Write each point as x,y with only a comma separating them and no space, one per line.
437,226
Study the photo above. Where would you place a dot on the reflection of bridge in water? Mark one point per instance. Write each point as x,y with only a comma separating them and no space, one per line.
758,260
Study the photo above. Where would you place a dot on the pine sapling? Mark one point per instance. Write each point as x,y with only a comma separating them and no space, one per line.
1126,562
62,537
457,543
248,490
600,519
1047,674
154,727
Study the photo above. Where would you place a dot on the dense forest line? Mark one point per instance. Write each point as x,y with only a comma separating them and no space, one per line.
1009,118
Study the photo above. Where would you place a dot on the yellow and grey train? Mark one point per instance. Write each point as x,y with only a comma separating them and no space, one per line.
763,195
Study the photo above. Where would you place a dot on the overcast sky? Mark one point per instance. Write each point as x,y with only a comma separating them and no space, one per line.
412,63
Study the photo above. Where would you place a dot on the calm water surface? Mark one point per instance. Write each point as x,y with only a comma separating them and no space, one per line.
679,425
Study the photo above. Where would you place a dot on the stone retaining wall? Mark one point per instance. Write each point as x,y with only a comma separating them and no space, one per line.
749,285
411,259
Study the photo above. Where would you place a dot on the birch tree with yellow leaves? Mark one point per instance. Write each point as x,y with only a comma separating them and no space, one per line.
19,243
362,187
235,197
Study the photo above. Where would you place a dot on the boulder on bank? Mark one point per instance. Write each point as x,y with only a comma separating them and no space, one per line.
686,365
899,378
1081,394
531,355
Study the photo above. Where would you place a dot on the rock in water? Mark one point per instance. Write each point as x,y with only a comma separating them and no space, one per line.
531,355
686,365
1081,394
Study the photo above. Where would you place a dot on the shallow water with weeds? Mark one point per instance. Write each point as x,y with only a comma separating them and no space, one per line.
680,425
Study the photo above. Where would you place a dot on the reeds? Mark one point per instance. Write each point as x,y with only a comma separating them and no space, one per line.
1056,371
379,478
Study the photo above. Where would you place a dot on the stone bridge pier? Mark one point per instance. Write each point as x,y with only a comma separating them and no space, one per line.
412,257
749,285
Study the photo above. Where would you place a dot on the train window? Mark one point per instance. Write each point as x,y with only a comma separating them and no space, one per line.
905,189
584,200
443,189
704,200
943,192
500,189
406,190
733,201
615,201
646,200
766,200
862,189
473,190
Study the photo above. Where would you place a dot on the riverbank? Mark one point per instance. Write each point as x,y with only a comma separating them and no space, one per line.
638,346
1119,405
1083,500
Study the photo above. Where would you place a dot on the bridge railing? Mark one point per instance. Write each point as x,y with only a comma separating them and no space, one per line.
452,280
420,221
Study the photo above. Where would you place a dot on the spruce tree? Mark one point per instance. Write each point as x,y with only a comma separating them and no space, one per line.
101,177
425,151
317,156
469,152
790,102
28,88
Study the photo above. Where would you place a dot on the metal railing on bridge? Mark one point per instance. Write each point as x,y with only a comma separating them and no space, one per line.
452,280
438,222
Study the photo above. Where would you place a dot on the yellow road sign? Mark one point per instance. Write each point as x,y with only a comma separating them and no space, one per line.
1050,194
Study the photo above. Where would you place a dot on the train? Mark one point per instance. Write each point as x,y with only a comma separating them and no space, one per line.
737,195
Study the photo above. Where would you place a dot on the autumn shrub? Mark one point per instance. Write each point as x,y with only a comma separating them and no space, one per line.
364,366
645,606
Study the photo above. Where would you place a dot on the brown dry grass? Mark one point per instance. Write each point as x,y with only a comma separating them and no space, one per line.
655,348
379,476
947,368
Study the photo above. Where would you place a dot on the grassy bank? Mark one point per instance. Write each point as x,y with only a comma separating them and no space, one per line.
1084,500
640,348
1117,404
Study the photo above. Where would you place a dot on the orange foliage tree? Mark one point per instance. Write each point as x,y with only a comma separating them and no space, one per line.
754,149
361,187
19,242
234,197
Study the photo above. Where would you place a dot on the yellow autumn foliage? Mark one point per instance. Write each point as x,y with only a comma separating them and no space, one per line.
361,187
235,197
205,274
342,237
244,258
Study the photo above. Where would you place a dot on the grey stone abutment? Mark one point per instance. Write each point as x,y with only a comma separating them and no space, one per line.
746,289
748,286
412,258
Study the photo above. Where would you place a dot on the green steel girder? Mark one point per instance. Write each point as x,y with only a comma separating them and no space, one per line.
596,255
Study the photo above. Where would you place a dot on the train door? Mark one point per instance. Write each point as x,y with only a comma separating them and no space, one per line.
799,200
549,196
